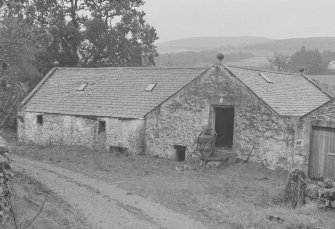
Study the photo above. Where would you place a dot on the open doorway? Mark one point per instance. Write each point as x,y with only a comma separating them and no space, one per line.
224,126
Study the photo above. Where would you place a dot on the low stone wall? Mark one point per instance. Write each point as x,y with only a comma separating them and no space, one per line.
5,179
58,129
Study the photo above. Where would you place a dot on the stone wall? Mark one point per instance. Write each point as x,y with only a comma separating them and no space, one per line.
180,119
59,129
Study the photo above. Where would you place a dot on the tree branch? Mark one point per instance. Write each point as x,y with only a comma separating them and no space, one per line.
12,211
38,213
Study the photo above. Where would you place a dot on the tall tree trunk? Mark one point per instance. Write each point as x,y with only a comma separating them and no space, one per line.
73,10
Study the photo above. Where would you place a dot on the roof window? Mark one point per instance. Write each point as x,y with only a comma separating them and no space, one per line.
265,77
82,87
151,87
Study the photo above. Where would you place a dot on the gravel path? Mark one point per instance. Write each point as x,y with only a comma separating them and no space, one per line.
104,205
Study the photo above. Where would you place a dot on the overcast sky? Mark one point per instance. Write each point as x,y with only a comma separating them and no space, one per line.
176,19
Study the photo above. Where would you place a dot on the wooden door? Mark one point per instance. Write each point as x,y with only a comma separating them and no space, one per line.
322,155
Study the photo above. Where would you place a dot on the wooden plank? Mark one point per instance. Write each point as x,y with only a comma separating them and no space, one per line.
322,153
316,159
326,133
330,159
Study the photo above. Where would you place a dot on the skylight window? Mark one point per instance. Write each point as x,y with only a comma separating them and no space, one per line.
265,77
151,87
82,87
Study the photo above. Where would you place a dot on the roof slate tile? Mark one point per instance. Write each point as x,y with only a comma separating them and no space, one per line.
288,95
113,92
120,92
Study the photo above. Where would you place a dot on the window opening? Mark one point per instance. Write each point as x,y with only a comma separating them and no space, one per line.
40,119
118,149
102,127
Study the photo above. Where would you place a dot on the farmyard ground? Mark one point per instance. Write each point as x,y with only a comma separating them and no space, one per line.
235,196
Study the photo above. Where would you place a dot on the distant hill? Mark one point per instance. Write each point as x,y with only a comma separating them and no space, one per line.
293,44
198,58
262,45
254,51
206,43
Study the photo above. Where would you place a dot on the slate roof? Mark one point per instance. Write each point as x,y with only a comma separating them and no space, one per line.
111,92
120,92
288,95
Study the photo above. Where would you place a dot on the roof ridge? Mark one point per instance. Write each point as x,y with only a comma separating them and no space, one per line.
264,70
317,86
137,68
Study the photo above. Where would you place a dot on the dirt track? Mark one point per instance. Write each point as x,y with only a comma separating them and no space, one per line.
104,205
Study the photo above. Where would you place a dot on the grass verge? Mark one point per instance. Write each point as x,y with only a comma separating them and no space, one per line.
27,200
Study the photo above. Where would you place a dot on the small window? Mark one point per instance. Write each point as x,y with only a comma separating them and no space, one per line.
40,119
102,127
82,87
150,87
265,77
118,149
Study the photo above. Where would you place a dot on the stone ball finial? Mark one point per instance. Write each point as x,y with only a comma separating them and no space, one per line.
301,70
220,56
56,63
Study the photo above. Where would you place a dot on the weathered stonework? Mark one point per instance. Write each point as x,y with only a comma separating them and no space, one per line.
58,129
276,140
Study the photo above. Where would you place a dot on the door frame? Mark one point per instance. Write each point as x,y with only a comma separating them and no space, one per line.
213,116
321,124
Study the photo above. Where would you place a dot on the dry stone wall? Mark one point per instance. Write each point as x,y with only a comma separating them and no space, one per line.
6,176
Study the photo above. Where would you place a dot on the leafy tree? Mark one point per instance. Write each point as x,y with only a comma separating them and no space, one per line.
279,62
116,34
17,43
313,61
99,32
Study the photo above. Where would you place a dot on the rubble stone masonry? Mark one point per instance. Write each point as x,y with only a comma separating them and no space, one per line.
179,120
58,129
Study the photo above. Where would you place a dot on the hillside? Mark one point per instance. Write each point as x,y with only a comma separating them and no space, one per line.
254,44
205,43
201,51
293,44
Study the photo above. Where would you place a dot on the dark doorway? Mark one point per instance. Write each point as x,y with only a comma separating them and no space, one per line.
224,126
180,152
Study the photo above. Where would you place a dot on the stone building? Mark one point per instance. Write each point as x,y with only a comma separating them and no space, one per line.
151,110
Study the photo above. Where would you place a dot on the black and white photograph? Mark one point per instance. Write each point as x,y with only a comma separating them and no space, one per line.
167,114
